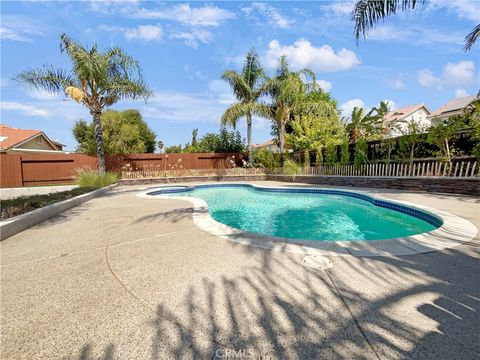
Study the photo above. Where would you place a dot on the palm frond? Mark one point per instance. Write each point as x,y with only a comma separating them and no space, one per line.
47,78
233,113
239,86
367,13
471,38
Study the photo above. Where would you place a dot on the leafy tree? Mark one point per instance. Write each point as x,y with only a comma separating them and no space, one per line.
367,13
247,87
306,159
224,142
442,136
290,97
174,149
319,157
330,154
160,145
312,131
124,132
413,134
266,159
134,117
344,153
194,137
97,80
360,156
471,118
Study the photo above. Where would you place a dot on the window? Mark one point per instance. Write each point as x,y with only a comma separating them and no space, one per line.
39,140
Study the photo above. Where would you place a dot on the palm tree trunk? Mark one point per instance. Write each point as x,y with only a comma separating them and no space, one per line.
97,129
281,142
249,139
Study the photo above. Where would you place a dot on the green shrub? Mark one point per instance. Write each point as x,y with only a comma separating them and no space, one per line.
360,157
319,157
291,168
344,153
306,159
266,159
331,154
92,179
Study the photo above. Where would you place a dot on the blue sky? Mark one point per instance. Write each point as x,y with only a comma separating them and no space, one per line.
184,47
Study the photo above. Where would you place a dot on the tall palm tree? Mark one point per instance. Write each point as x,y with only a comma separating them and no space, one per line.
290,95
97,80
248,88
367,13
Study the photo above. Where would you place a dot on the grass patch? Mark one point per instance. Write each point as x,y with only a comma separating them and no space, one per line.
24,204
92,179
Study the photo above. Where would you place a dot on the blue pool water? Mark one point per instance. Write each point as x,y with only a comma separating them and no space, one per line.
308,216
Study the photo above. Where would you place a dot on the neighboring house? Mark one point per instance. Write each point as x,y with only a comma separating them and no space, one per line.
395,122
452,108
13,140
269,145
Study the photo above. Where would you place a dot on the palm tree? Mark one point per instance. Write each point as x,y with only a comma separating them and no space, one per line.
290,95
97,80
361,125
367,13
354,127
378,119
248,88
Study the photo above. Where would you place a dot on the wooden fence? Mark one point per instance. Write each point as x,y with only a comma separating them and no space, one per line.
49,169
42,169
462,168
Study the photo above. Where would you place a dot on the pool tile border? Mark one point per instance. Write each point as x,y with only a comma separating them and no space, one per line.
451,230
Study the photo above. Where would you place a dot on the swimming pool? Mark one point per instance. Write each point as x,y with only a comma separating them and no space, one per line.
308,213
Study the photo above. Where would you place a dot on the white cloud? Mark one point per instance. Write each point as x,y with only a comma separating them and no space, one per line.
144,32
303,54
24,108
324,85
392,105
340,8
141,32
270,13
459,75
207,15
42,94
180,107
348,106
415,35
194,38
427,79
21,28
459,93
466,9
397,84
109,7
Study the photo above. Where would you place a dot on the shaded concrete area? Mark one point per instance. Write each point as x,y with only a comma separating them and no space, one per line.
121,277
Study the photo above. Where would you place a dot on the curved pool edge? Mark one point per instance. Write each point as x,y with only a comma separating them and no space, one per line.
453,232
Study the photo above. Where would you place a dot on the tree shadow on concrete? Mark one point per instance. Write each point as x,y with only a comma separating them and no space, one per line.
294,315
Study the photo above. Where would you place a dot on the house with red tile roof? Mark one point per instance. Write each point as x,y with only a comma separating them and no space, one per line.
395,122
13,140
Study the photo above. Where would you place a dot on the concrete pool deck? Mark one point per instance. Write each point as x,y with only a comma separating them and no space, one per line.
130,278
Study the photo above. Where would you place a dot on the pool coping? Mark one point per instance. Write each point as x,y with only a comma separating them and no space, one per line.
453,232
